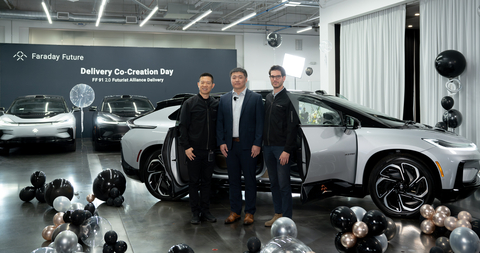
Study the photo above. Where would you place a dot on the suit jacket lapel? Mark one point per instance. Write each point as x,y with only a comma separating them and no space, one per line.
245,100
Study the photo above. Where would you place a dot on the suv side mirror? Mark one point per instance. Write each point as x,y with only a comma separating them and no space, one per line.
75,108
352,123
93,108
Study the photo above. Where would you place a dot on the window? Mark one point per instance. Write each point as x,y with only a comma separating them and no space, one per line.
314,112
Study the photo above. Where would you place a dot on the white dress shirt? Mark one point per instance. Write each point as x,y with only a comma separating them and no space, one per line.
237,102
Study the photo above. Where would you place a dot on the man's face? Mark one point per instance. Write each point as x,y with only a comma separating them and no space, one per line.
205,85
238,80
277,79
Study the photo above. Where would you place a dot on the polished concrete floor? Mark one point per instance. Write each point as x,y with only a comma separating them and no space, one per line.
150,225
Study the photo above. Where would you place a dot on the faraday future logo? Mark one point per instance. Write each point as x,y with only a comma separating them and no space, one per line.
20,55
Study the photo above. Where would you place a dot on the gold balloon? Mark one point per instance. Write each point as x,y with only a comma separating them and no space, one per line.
450,223
58,219
48,232
427,211
439,219
443,209
464,223
348,240
360,229
464,215
427,227
90,198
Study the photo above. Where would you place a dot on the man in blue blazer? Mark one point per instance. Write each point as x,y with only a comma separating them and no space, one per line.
239,135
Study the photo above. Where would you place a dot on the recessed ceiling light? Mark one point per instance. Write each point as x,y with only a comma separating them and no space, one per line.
417,14
410,26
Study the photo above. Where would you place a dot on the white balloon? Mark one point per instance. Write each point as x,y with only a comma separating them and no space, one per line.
359,212
383,241
77,206
61,204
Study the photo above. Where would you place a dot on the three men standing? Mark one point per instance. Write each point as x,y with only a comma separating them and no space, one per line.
239,135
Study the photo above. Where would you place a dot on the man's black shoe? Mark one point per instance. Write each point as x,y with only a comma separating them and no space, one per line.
195,219
207,216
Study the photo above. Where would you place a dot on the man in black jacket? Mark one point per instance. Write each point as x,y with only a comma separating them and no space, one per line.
198,120
279,140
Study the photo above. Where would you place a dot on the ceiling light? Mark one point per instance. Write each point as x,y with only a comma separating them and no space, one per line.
290,3
100,13
149,16
417,14
304,29
47,12
410,26
197,19
240,20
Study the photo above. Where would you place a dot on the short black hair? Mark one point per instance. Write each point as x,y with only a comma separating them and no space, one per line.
277,67
206,74
239,70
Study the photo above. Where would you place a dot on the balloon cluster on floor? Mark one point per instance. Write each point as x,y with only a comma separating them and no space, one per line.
462,231
112,245
109,186
181,248
450,64
361,231
284,238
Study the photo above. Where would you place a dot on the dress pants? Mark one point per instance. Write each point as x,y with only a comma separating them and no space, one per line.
279,180
200,177
240,160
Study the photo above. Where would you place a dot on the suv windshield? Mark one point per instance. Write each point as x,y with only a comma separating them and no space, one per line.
126,105
38,106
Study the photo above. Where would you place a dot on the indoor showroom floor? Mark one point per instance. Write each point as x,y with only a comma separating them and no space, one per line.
149,225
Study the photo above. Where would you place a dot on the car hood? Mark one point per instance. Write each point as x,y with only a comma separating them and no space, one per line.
119,117
36,118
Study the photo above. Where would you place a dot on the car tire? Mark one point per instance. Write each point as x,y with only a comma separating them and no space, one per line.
72,146
155,177
400,184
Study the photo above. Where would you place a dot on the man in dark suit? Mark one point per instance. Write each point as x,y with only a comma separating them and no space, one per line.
239,135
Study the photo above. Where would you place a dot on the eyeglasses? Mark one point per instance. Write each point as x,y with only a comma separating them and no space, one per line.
276,77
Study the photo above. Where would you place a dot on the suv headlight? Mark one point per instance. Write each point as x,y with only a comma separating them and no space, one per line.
106,120
5,121
451,145
65,119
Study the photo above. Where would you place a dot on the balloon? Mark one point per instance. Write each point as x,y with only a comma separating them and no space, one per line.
44,250
342,218
382,239
61,203
443,209
348,240
441,125
439,219
67,216
340,248
78,217
40,194
285,244
391,230
443,243
476,226
453,86
376,222
427,227
48,232
368,244
360,229
108,248
111,237
90,198
66,242
107,180
56,188
450,223
359,212
309,71
436,249
120,247
77,206
114,192
464,240
447,102
450,63
118,201
274,39
453,118
93,229
254,244
78,248
65,227
38,179
27,193
464,215
427,211
464,223
284,226
180,248
90,207
58,219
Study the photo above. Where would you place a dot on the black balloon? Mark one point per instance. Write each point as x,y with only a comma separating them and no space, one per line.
109,202
56,188
436,249
253,244
67,216
88,214
105,181
180,248
40,193
120,247
64,227
450,63
368,244
117,201
274,39
376,222
27,193
309,71
453,118
90,207
391,230
108,248
110,237
114,192
343,218
441,125
38,179
444,244
340,248
447,102
78,217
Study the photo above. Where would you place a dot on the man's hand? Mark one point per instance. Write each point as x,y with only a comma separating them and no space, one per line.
224,149
189,153
284,158
255,150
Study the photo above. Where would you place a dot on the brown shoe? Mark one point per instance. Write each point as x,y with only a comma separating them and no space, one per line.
248,219
232,218
275,217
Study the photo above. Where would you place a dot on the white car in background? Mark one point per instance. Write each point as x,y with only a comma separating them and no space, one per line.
37,119
343,149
